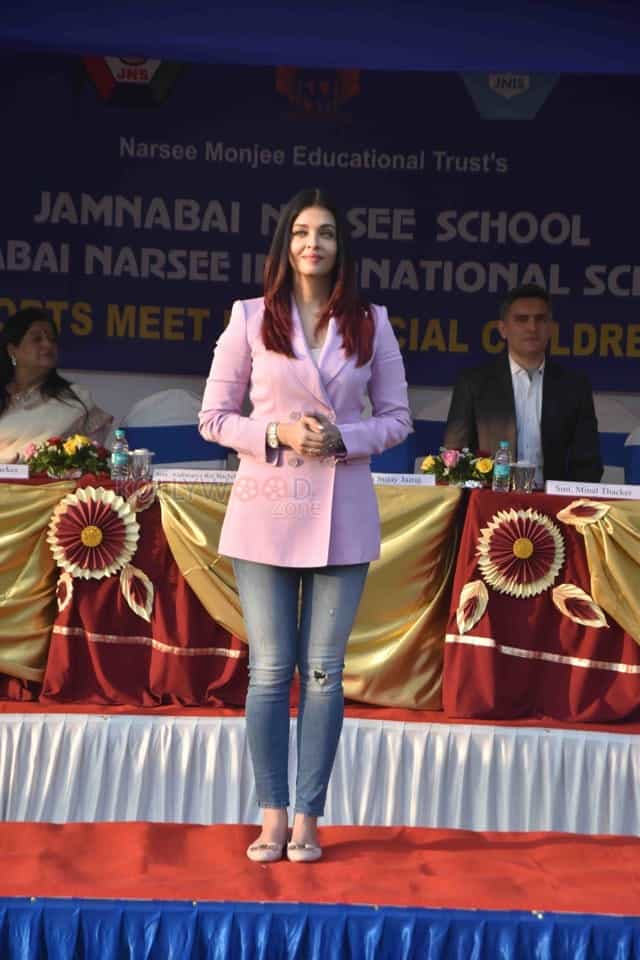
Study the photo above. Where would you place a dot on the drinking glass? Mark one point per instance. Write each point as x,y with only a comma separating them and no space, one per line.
141,465
522,477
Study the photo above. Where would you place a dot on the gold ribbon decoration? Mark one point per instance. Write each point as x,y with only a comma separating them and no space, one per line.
28,575
395,651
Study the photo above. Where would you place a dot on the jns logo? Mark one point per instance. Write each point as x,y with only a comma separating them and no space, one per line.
132,69
132,81
509,85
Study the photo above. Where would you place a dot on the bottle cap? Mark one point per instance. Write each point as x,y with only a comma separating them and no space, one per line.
120,434
503,444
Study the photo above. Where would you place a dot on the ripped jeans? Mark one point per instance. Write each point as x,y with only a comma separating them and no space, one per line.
296,617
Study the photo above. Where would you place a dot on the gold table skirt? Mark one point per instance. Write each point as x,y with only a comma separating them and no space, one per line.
394,656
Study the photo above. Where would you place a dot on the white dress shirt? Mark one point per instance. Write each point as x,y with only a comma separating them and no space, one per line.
527,393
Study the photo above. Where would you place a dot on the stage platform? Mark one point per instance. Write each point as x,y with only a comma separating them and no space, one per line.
178,891
122,835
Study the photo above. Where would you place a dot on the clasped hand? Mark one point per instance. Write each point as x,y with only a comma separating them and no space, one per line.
313,435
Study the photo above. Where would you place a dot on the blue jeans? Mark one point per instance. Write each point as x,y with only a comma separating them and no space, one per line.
296,618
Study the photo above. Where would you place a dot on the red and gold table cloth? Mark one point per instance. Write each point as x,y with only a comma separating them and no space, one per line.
545,610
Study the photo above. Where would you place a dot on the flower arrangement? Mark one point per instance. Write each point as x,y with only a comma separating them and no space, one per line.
459,467
73,457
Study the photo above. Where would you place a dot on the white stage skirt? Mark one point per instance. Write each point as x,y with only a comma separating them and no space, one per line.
195,769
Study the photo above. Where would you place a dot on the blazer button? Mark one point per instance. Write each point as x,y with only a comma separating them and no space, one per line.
295,461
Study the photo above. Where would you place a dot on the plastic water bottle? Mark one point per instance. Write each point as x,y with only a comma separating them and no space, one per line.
120,459
502,468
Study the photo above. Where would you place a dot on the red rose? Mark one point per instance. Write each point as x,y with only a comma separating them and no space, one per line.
54,441
102,452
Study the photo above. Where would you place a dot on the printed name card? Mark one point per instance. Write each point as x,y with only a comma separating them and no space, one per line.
404,479
14,471
611,491
176,475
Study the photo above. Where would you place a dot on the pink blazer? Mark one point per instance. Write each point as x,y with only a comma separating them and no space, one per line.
285,509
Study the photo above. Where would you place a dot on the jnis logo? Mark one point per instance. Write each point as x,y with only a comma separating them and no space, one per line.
316,92
132,81
509,85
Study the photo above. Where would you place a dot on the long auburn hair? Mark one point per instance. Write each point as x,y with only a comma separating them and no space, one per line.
12,333
353,314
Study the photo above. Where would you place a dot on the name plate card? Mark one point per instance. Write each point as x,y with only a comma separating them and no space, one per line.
14,471
176,475
404,479
610,491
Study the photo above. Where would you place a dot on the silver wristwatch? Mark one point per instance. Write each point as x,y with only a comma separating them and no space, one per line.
272,435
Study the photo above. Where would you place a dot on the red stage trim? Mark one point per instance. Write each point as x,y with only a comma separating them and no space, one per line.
355,711
453,869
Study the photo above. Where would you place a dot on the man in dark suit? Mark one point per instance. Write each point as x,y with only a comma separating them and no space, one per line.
543,409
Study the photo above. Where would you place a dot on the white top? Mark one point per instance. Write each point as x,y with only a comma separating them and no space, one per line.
35,418
527,393
315,354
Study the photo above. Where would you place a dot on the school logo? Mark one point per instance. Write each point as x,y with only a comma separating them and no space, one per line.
509,96
317,92
509,85
132,81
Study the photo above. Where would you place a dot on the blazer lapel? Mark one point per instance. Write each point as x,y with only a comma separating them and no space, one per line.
303,366
333,358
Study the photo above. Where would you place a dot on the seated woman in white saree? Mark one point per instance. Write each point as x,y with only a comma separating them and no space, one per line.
35,401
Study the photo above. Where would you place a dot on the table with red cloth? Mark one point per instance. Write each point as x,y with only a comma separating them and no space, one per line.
531,631
543,594
93,647
125,600
102,652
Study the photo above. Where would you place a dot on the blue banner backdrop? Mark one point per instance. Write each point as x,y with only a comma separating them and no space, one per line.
138,198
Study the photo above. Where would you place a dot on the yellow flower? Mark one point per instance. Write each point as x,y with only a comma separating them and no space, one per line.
69,446
484,465
81,441
428,464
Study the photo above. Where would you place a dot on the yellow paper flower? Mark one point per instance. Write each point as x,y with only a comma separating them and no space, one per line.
484,465
69,446
81,441
428,463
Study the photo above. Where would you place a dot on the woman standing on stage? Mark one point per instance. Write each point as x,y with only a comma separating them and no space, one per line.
302,523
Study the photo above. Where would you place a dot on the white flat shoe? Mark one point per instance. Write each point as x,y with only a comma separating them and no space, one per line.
266,852
303,852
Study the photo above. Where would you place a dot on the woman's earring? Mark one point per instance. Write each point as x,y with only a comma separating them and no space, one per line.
13,360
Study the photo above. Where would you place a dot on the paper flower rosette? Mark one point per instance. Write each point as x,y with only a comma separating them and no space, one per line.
94,534
520,552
